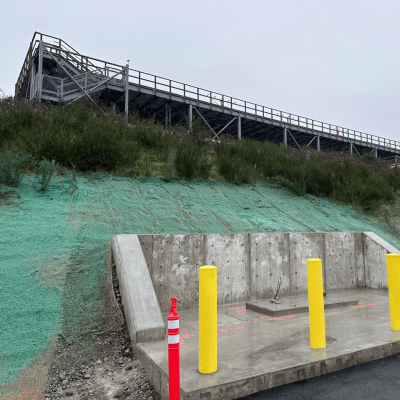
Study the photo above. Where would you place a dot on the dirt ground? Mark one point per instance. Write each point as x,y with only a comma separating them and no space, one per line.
101,370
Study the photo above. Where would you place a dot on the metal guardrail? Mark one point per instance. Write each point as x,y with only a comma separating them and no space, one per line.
103,70
62,50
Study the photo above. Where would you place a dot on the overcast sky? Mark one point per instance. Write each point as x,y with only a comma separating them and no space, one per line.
334,61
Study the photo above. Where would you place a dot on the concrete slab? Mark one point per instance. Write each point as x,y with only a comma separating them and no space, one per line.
257,352
296,305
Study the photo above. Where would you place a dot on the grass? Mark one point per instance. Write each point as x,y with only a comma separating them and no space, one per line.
79,138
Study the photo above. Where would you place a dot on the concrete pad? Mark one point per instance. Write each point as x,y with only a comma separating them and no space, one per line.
257,352
296,305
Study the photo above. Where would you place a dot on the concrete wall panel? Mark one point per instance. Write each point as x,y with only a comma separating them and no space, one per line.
161,270
269,261
340,261
176,260
146,241
359,253
303,246
230,254
375,250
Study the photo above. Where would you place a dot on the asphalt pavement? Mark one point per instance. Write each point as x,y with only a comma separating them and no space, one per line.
377,380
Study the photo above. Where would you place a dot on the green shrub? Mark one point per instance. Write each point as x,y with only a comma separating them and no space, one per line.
74,136
13,166
191,161
78,137
47,169
147,133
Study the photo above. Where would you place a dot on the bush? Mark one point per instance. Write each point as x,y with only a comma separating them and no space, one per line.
47,169
78,137
191,161
13,166
72,135
147,133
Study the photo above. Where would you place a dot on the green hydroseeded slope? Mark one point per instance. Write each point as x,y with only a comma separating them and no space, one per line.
52,262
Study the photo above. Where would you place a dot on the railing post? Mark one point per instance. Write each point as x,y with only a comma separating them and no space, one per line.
40,71
190,116
285,136
30,54
126,91
33,74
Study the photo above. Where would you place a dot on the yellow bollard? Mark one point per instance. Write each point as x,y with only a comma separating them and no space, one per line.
208,319
393,272
316,303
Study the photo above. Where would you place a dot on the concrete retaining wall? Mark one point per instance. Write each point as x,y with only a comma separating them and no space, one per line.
250,264
139,299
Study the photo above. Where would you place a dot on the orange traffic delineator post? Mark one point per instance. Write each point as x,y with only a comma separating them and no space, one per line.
173,352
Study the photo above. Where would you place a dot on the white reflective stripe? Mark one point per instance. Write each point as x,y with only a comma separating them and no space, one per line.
173,324
173,339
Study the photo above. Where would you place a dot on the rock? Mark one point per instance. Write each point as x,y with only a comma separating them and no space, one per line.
62,376
129,367
98,362
86,376
64,382
69,393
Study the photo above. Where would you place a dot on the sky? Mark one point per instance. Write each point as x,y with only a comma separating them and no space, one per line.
333,61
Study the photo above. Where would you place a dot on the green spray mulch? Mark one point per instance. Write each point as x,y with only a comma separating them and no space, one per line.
52,262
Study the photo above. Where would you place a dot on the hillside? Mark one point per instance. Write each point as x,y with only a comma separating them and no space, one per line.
54,244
